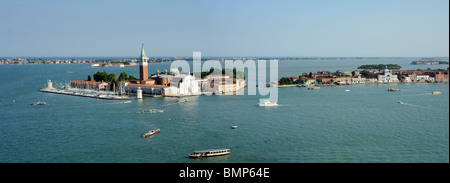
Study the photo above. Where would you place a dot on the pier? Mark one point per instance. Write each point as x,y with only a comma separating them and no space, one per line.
85,93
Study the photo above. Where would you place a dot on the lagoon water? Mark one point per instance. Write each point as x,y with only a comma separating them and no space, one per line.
365,124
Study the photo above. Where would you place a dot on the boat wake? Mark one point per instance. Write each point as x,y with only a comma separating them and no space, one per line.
412,105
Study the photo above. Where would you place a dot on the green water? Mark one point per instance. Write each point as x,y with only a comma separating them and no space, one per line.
365,124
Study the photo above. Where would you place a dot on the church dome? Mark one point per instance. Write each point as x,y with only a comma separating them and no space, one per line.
174,71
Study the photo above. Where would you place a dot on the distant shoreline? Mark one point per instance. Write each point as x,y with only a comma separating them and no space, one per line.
127,60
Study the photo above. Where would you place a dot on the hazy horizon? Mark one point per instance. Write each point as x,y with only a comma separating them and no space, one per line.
325,28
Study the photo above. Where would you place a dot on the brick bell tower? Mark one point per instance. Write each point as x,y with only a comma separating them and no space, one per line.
143,66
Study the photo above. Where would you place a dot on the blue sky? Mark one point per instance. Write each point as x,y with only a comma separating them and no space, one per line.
313,28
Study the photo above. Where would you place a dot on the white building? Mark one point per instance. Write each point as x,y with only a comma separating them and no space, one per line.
424,78
185,84
358,80
387,77
222,84
407,79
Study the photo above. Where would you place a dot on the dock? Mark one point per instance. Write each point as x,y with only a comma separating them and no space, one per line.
105,96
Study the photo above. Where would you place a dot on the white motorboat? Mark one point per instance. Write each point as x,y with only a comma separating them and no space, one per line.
267,103
37,103
209,153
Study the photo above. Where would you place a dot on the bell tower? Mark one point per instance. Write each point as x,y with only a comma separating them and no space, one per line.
143,66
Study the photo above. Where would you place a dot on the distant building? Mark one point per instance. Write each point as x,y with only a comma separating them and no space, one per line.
440,76
222,84
185,84
387,77
343,73
424,78
345,80
358,80
330,80
371,80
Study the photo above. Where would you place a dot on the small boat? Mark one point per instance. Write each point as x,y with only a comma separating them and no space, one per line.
347,90
435,92
38,103
152,110
267,103
234,127
127,102
393,89
151,132
314,88
209,153
400,102
182,100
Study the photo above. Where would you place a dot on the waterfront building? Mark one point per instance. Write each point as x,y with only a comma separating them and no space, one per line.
150,89
114,65
440,76
310,81
406,79
371,80
387,77
345,80
358,80
330,80
185,84
221,84
424,78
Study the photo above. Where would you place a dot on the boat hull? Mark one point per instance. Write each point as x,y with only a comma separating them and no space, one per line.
148,135
207,155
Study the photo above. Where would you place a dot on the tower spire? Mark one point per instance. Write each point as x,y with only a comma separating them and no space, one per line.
142,51
143,67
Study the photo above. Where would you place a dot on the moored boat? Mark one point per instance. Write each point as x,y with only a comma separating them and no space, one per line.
209,153
314,88
151,132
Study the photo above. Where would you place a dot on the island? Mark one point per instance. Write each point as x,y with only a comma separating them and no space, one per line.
380,66
429,63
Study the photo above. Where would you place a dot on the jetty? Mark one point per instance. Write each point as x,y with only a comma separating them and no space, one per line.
107,95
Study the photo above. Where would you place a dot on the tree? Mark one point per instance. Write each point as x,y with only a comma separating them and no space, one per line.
130,77
89,78
100,76
123,76
310,74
